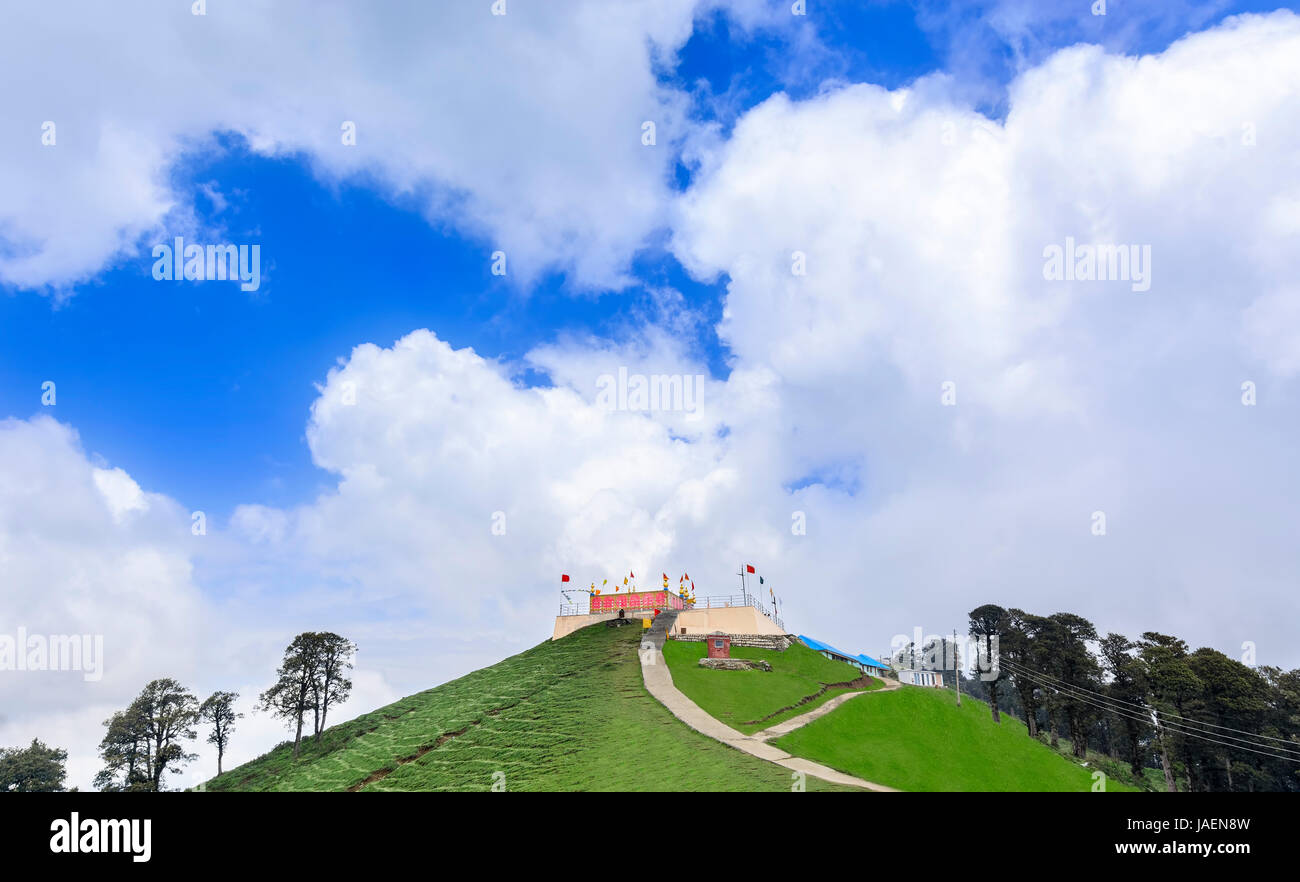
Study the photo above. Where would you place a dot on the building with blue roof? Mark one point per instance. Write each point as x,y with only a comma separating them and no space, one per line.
873,667
864,663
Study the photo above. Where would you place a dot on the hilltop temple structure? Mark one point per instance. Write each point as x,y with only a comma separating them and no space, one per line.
736,614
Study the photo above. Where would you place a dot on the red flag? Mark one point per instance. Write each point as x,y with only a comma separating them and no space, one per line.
564,577
748,568
686,576
665,577
631,575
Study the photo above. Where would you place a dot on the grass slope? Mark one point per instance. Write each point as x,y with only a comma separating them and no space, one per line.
917,739
565,715
739,698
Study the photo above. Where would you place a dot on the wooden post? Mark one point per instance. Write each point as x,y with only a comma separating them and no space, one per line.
956,666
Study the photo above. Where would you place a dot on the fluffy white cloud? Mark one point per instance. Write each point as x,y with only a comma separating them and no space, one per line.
437,441
524,129
86,553
122,494
923,227
924,224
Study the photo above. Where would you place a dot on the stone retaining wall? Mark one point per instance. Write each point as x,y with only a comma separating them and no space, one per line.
775,642
735,664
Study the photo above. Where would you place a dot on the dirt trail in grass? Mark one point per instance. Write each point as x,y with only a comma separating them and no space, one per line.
864,680
659,683
384,773
804,719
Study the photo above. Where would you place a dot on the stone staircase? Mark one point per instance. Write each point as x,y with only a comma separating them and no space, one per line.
659,629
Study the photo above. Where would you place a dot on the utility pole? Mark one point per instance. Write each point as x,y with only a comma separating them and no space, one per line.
956,666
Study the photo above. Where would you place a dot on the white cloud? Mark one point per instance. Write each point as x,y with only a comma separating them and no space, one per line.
524,129
120,492
85,551
439,439
923,225
76,564
1271,327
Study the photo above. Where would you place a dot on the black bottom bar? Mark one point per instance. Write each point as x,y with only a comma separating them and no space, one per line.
326,831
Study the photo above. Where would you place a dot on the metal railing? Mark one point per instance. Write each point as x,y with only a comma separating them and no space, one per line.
583,608
713,601
720,601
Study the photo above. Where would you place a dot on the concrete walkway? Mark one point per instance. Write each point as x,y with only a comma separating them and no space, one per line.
659,683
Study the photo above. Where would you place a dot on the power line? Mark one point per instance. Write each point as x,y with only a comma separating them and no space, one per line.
1177,728
1017,667
1180,728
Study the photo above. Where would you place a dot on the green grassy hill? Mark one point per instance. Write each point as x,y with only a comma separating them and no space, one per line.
565,715
573,715
917,739
749,701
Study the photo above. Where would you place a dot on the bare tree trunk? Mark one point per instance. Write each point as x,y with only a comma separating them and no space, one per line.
1134,752
302,711
157,765
1169,773
1029,709
1170,786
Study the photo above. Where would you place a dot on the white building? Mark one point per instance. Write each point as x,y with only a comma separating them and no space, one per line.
921,678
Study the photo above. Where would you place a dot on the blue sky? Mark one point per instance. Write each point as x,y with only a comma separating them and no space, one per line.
202,390
844,215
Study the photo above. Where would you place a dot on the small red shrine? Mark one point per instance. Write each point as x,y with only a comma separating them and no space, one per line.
719,645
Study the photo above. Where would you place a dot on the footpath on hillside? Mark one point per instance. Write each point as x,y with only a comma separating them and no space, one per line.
804,719
659,683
